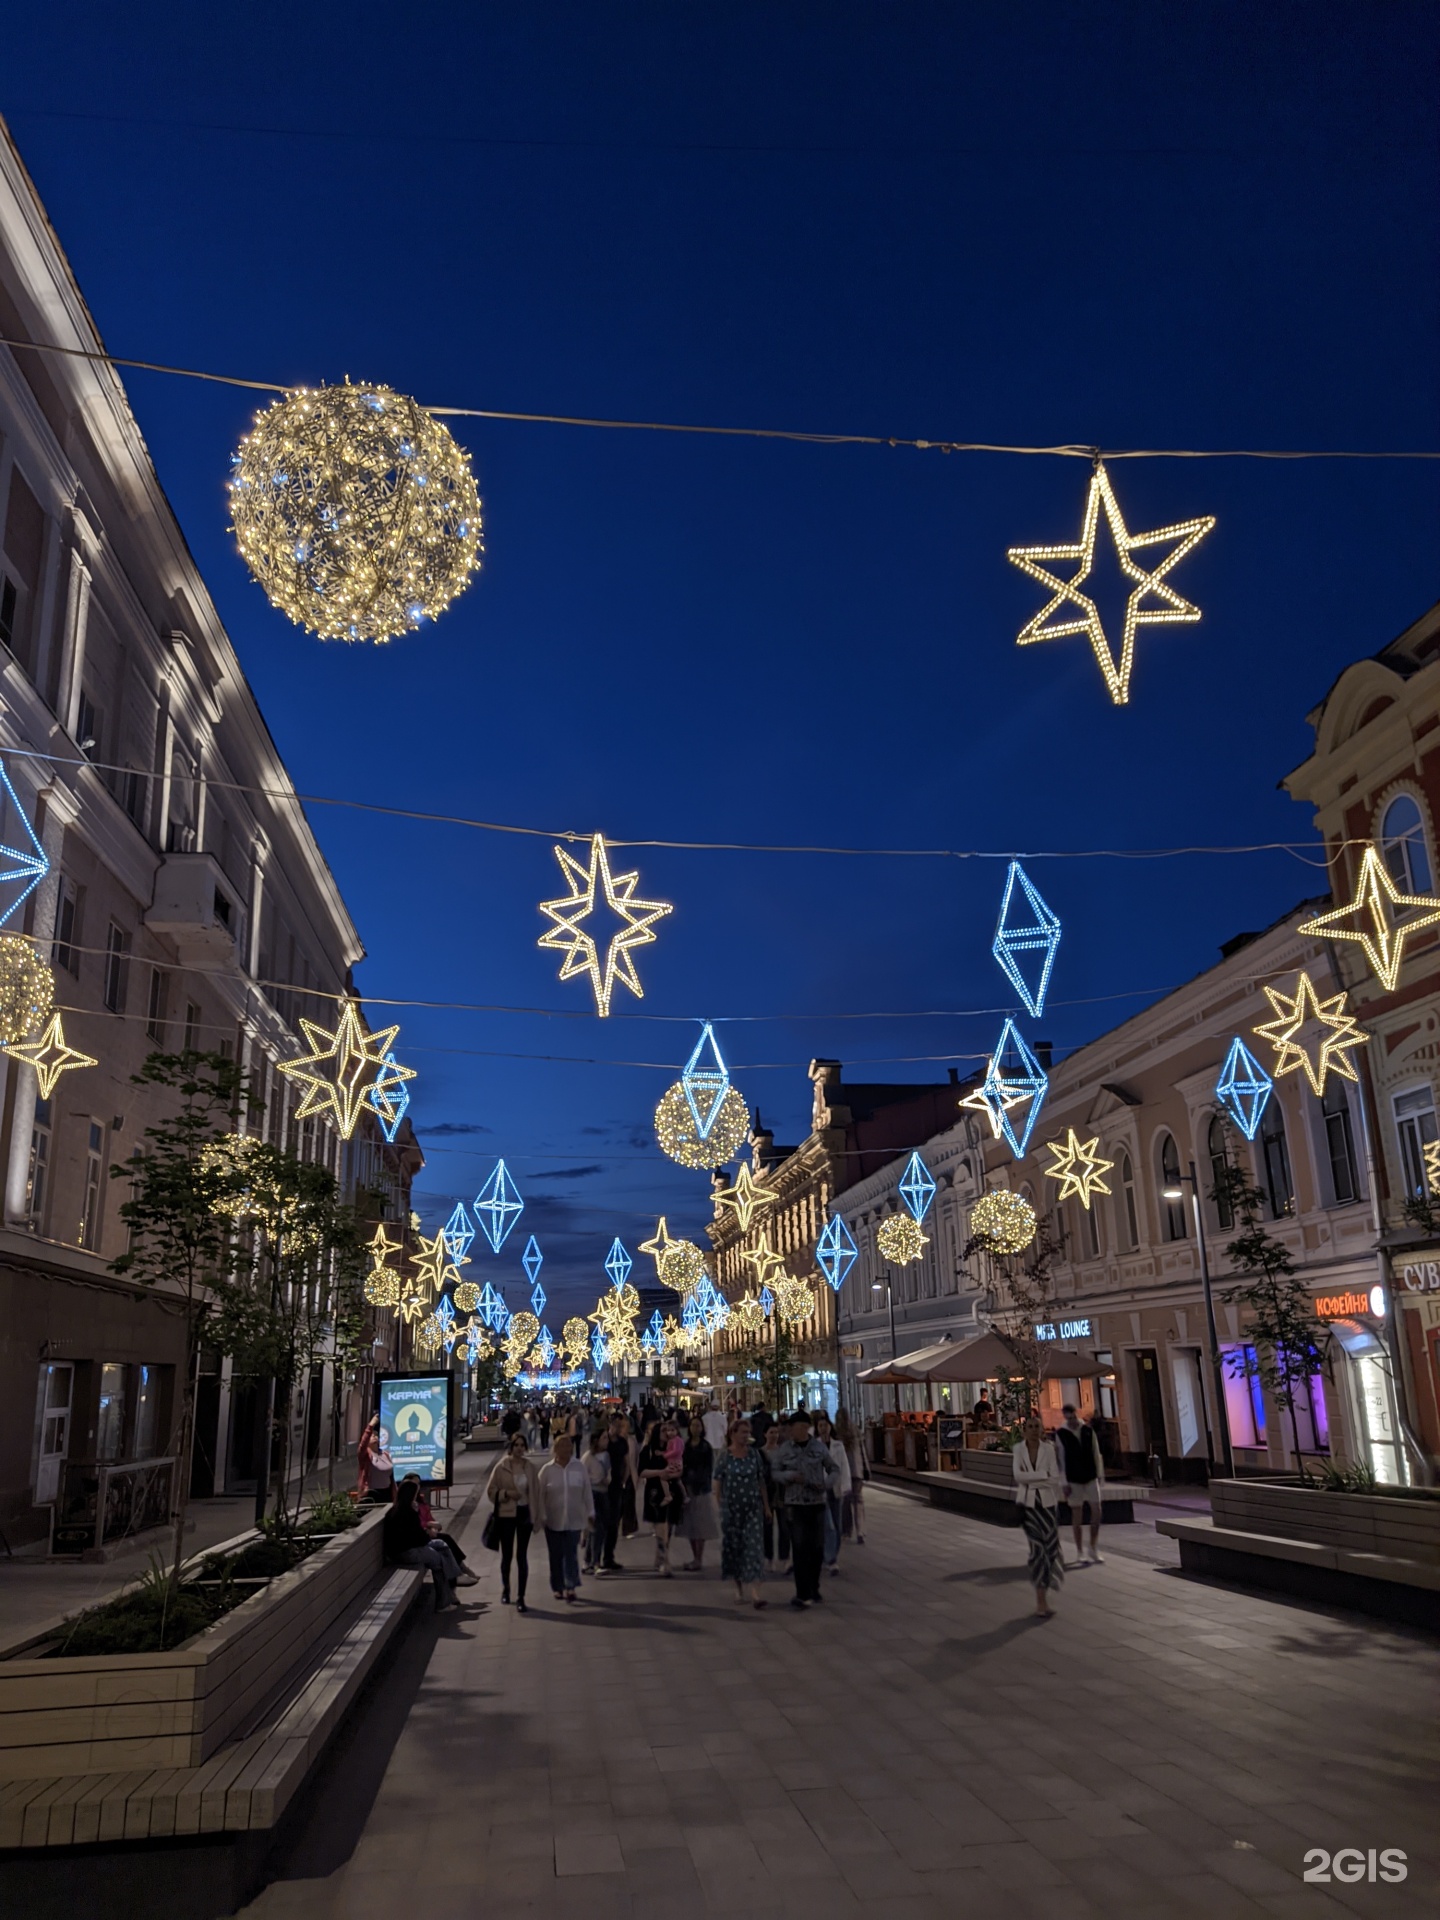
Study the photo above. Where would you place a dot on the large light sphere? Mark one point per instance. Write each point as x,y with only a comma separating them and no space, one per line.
794,1300
682,1266
356,511
430,1335
467,1296
1005,1219
27,988
382,1287
900,1240
678,1135
749,1315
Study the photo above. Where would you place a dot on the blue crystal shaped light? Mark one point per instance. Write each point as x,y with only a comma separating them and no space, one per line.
917,1189
498,1206
706,1083
28,864
445,1314
492,1309
389,1096
618,1264
538,1297
532,1260
691,1317
835,1252
767,1301
545,1346
599,1351
657,1327
1243,1088
458,1232
1014,1087
1032,932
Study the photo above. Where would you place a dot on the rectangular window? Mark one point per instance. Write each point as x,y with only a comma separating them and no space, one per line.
155,1013
68,913
94,1176
110,1427
147,1413
134,793
37,1183
87,728
1415,1124
9,611
192,1027
117,967
1244,1400
1340,1143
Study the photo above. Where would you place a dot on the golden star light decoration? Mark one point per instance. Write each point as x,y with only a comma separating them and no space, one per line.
342,1065
1328,1029
49,1055
595,889
575,1342
413,1304
356,511
765,1261
382,1246
1431,1157
434,1269
1371,919
1007,1220
901,1240
659,1243
746,1196
1149,583
1078,1167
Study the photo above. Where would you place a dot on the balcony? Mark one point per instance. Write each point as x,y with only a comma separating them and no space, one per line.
197,907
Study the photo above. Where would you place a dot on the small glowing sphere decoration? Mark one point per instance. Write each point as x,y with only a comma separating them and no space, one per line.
679,1136
795,1299
356,511
1007,1220
900,1240
682,1266
467,1296
749,1315
27,988
429,1335
382,1287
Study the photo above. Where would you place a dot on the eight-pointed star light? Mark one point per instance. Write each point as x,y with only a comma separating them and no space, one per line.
1078,1167
582,952
354,1059
1293,1014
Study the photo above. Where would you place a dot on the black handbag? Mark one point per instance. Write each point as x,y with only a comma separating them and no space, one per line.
490,1532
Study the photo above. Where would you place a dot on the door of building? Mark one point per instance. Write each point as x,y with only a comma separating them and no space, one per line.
1152,1403
56,1397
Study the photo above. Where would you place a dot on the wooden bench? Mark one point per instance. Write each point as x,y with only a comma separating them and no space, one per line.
987,1489
245,1786
1384,1585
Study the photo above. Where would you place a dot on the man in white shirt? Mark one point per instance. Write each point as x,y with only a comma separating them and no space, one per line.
567,1504
716,1426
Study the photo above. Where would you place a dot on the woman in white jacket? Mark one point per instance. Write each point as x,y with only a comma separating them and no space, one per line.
835,1496
1038,1487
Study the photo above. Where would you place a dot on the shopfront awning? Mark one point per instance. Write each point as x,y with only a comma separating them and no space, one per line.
903,1369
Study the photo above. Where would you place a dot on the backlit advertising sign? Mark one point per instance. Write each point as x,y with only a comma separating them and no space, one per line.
414,1411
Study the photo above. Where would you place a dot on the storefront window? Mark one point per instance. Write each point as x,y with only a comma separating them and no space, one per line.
1415,1124
1340,1142
147,1413
110,1427
1244,1398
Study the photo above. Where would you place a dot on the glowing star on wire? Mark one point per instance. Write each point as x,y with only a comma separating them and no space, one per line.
1305,1009
498,1206
28,865
1034,932
1244,1088
917,1189
390,1097
413,1302
1078,1167
617,893
353,1060
382,1246
618,1264
49,1055
434,1267
745,1197
1376,911
458,1231
765,1260
1149,582
1431,1156
705,1086
532,1260
1013,1079
835,1251
659,1243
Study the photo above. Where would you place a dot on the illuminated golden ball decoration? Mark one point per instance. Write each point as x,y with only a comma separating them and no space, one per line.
429,1335
682,1266
679,1136
356,511
749,1315
900,1240
27,989
382,1287
795,1299
1006,1220
467,1296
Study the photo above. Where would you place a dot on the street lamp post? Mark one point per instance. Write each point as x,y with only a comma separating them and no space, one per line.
890,1303
1217,1370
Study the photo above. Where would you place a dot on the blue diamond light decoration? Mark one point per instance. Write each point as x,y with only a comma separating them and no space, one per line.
706,1083
538,1297
389,1096
618,1264
545,1347
492,1309
1244,1088
1015,1084
449,1330
691,1317
917,1189
767,1301
835,1252
657,1326
498,1206
1031,931
532,1260
30,864
599,1351
458,1232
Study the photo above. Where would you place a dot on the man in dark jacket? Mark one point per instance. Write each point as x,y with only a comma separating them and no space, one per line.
760,1424
512,1422
806,1474
1085,1480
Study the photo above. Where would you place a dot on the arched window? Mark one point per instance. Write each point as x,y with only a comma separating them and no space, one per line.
1127,1220
1088,1239
1402,845
1279,1185
1219,1166
1340,1139
1174,1214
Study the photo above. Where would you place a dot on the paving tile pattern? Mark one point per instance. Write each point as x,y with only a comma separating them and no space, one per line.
916,1746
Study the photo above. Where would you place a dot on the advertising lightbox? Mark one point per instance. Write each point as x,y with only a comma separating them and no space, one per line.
414,1411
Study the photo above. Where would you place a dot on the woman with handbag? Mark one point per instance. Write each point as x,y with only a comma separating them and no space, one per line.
1038,1486
515,1504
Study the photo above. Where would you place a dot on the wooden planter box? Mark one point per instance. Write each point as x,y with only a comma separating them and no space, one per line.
114,1713
1403,1529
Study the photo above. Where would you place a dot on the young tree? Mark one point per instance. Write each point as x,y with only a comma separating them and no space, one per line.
180,1238
776,1363
1289,1341
1023,1290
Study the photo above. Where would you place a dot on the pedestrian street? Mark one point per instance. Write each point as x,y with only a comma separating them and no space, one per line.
917,1745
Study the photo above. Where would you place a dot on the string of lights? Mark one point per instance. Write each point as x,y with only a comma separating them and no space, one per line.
1066,451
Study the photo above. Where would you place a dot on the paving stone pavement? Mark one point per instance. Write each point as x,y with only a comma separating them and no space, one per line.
915,1746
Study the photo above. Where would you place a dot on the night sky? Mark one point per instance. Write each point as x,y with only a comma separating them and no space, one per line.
1134,226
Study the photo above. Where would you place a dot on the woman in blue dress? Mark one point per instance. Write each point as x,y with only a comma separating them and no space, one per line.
745,1506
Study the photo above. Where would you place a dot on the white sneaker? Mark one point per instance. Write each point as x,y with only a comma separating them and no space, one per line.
1097,1556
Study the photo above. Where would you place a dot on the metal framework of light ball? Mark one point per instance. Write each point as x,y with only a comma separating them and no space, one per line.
1005,1219
356,511
901,1240
27,988
678,1135
682,1266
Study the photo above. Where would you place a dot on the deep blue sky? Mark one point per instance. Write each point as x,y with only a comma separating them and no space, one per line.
1132,225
